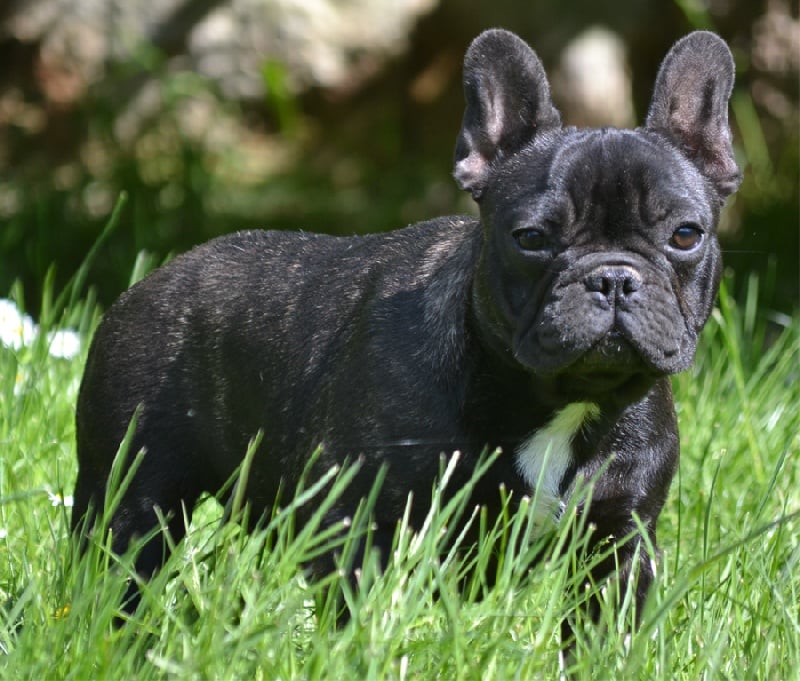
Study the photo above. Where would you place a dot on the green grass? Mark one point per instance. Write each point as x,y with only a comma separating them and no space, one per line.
232,605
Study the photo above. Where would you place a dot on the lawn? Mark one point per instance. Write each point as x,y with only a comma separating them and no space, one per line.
726,603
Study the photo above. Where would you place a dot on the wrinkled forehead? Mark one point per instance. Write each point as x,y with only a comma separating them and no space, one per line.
583,173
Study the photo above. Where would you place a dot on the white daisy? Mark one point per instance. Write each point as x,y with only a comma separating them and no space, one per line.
58,500
16,329
65,344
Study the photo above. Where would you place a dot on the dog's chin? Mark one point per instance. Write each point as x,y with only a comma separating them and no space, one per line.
602,387
608,369
611,368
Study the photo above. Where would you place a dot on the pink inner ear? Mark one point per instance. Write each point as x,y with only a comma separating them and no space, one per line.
471,172
473,164
710,148
494,120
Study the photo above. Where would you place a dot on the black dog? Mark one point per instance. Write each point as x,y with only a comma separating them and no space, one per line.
548,327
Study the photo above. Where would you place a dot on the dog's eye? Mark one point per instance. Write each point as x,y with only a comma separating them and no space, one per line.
686,237
531,239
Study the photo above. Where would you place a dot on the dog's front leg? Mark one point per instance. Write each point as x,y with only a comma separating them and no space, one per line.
622,568
628,481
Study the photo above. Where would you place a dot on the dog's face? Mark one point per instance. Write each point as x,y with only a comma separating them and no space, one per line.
607,257
600,261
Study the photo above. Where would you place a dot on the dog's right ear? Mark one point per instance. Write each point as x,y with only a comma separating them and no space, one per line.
508,103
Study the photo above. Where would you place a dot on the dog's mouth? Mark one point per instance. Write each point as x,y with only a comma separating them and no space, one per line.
612,364
613,352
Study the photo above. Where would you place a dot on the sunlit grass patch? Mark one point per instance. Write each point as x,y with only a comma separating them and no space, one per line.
234,605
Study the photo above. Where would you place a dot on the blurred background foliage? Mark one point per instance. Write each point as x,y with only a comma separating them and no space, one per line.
336,116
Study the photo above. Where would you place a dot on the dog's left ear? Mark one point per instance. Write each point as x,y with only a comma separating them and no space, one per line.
690,106
507,103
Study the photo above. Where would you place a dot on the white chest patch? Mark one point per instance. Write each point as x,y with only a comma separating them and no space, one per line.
543,460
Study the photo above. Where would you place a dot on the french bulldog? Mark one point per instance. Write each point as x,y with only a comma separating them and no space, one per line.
546,327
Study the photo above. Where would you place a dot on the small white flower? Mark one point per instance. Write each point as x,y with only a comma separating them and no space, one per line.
64,344
58,500
3,532
16,329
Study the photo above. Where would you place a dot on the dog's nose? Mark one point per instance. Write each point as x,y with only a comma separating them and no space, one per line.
615,282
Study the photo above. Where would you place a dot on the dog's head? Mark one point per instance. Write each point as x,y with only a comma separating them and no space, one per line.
600,261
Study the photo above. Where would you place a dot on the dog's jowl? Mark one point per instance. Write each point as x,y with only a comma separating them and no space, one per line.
546,327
